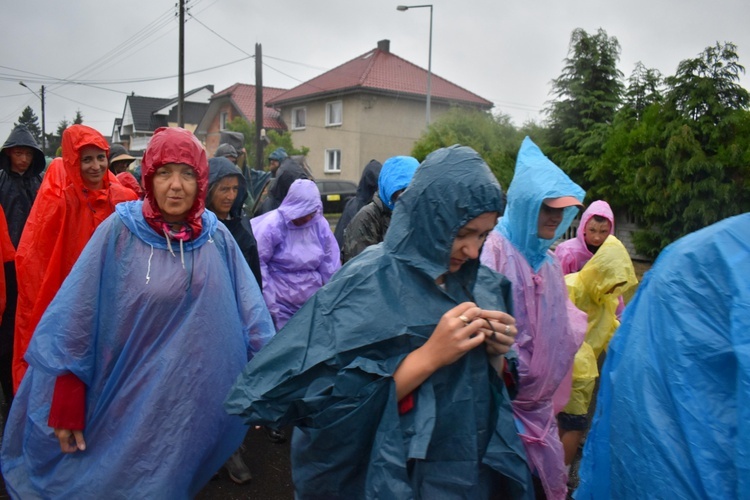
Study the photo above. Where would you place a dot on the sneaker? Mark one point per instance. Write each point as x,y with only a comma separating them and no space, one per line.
237,469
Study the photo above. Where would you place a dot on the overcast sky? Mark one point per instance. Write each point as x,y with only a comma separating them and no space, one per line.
507,52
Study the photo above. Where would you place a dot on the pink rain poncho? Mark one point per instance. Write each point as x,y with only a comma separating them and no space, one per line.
550,328
295,261
574,253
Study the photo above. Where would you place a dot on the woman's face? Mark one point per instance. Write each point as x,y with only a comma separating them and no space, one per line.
470,238
301,221
93,166
224,195
549,219
175,187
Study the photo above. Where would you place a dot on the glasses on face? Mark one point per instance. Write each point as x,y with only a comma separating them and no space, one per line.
22,154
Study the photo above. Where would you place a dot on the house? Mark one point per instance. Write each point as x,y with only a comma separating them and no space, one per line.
371,107
142,115
237,100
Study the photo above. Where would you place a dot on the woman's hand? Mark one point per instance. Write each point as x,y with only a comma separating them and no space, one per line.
70,441
460,330
500,331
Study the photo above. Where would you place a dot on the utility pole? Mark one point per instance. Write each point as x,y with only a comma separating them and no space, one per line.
258,107
44,138
181,69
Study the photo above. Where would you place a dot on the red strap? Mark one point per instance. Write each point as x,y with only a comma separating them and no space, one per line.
406,404
68,409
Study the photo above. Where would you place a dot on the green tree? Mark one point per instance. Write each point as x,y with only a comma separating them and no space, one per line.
78,118
29,118
587,95
493,137
276,139
644,88
54,140
684,162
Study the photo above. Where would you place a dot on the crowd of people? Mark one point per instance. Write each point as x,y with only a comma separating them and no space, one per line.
439,344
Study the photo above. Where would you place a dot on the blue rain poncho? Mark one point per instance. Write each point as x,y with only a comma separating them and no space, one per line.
157,347
330,370
673,408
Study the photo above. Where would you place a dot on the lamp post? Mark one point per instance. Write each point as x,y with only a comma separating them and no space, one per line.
41,98
403,8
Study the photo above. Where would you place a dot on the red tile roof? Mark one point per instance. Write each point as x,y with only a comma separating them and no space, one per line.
243,96
380,70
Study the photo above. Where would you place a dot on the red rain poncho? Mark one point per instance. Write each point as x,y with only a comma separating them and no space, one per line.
63,218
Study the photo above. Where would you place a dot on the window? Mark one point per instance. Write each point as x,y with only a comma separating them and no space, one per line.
333,160
298,118
334,113
223,119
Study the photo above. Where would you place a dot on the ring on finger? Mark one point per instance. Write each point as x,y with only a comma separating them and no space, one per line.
464,319
507,329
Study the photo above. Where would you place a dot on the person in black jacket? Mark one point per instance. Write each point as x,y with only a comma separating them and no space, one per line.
226,194
21,165
368,185
369,225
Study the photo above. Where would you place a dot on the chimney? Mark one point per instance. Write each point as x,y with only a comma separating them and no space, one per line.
384,45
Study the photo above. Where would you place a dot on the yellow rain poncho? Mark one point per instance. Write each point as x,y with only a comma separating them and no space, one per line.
595,290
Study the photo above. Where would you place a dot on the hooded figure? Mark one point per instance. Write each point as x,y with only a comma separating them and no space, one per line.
574,253
21,165
330,372
61,222
298,253
368,185
287,173
595,290
371,223
18,190
166,328
672,414
550,328
221,168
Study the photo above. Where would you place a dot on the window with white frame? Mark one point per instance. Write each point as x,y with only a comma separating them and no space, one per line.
223,119
334,113
333,160
298,118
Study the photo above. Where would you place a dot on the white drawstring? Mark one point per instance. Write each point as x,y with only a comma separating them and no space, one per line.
148,271
169,246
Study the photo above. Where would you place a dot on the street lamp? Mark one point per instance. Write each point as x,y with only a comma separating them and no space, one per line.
44,139
403,8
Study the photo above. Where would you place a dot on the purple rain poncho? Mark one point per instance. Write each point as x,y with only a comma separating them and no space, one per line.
295,260
158,347
550,328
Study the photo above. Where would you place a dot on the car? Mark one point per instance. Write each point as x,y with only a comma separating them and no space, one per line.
335,193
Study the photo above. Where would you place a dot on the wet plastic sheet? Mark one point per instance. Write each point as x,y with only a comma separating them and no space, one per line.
674,405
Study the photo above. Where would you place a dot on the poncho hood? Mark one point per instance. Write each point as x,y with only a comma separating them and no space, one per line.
610,267
451,187
74,139
368,183
395,175
600,208
20,136
536,178
220,168
174,145
302,199
130,213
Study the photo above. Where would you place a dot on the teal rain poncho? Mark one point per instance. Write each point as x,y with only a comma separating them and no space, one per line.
673,409
330,370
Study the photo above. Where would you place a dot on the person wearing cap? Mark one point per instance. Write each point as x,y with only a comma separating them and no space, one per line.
371,223
542,202
227,151
119,159
275,158
21,166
